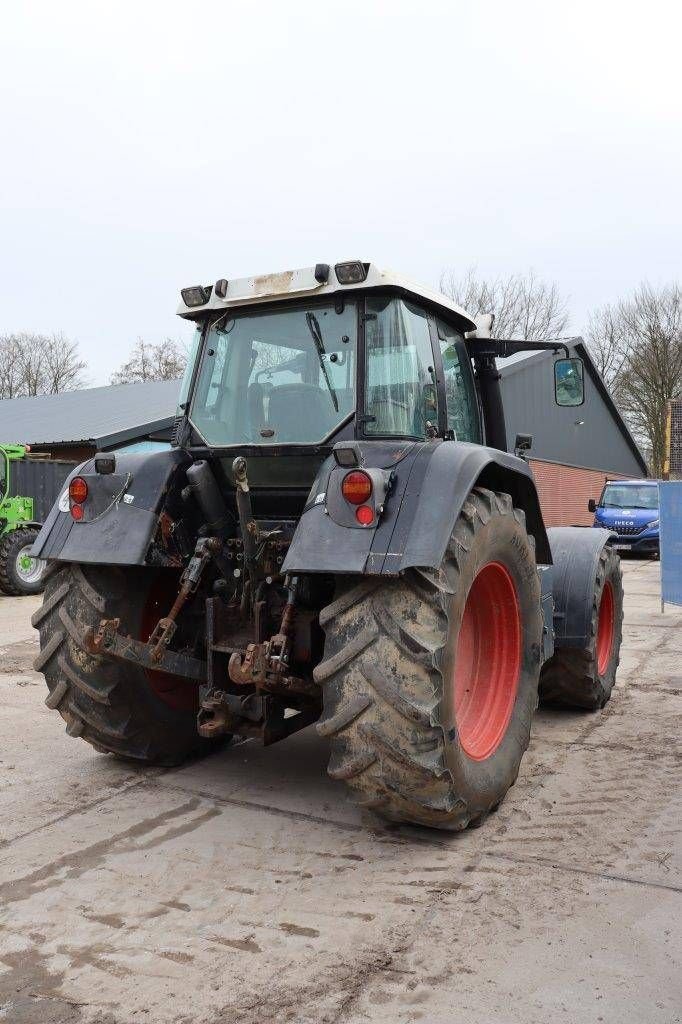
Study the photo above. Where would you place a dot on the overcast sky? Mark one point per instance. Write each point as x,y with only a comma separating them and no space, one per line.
147,146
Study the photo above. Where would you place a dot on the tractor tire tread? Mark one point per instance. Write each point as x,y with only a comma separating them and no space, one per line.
381,680
570,677
98,698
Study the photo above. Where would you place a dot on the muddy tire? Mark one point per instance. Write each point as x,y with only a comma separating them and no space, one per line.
431,680
584,678
116,707
19,573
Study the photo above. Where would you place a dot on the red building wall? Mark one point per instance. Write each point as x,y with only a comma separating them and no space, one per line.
565,490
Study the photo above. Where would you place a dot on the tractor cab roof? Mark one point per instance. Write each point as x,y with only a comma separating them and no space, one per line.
320,280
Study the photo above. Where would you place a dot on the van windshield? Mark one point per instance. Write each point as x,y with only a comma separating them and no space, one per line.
622,496
277,377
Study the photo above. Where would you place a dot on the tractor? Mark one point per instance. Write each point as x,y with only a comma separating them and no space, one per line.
28,485
338,535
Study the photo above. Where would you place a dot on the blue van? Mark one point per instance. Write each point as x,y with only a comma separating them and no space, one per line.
630,509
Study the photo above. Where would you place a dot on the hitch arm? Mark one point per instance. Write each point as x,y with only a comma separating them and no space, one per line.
165,628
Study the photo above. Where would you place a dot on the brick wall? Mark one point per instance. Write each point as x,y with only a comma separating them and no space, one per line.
565,490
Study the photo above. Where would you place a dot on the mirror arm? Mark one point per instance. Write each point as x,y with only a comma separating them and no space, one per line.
501,348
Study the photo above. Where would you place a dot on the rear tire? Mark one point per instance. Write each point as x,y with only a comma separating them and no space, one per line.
115,706
584,677
430,681
17,578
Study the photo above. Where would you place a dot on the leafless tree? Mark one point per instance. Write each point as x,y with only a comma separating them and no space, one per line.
39,364
524,306
651,322
63,369
610,346
164,361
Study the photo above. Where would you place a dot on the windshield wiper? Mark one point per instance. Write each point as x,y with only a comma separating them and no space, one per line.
314,328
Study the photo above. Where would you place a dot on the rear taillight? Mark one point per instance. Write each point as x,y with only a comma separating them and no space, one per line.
356,487
78,492
365,515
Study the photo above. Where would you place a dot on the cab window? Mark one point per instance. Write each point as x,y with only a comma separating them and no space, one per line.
400,392
460,392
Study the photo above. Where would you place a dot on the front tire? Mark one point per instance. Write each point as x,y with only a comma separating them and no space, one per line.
584,677
20,572
115,706
430,681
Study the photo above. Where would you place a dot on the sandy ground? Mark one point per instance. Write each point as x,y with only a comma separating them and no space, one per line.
247,888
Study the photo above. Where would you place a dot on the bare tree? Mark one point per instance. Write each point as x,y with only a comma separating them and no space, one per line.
164,361
610,346
39,364
524,306
652,324
63,369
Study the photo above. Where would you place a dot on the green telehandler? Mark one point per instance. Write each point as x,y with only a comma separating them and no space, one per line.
28,485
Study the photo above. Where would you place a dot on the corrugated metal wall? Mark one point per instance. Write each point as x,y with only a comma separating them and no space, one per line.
38,479
585,436
565,490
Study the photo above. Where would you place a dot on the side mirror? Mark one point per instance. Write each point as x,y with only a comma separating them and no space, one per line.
569,382
522,444
592,505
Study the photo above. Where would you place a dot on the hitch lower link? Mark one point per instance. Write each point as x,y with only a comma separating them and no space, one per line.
164,631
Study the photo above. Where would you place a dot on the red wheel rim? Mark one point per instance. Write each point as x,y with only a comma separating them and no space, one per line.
605,628
179,694
487,662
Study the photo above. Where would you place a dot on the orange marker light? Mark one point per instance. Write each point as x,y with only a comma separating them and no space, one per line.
356,487
78,490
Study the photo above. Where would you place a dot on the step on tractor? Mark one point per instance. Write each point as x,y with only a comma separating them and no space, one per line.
338,535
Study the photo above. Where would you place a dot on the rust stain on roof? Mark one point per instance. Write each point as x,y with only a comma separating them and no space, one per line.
266,284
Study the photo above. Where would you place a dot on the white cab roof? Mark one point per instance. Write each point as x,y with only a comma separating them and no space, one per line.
294,284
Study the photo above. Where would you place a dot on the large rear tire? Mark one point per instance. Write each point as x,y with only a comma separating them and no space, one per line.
584,677
430,681
115,706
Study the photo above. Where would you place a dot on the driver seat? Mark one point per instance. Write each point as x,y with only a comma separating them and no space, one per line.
299,412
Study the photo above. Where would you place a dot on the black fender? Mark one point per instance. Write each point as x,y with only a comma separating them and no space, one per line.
575,554
121,513
430,483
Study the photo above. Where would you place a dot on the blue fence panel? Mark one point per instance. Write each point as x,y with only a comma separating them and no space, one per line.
670,502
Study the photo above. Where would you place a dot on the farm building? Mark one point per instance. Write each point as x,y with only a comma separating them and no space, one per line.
574,450
75,424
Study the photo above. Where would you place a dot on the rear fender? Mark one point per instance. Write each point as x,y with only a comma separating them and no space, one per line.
430,482
121,513
575,554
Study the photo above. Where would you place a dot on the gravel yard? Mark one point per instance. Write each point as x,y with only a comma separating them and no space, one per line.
246,888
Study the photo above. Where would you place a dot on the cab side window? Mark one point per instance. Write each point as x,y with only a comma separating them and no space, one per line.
460,393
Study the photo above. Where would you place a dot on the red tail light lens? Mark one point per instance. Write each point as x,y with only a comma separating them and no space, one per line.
77,512
364,515
78,490
356,487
